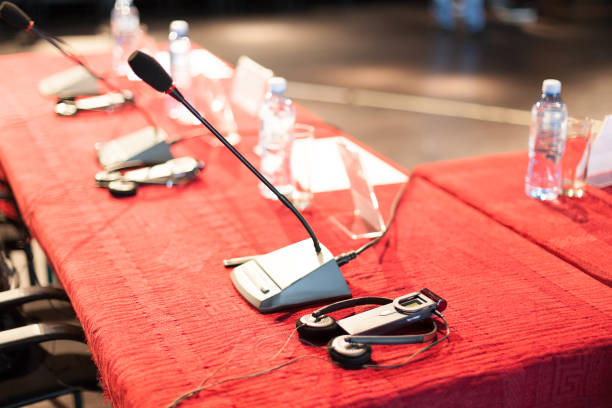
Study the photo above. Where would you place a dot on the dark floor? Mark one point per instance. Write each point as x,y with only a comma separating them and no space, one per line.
416,93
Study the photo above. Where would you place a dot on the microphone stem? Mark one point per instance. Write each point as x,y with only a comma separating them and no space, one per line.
177,95
80,62
66,53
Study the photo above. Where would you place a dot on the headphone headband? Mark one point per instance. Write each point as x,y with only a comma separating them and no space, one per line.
345,304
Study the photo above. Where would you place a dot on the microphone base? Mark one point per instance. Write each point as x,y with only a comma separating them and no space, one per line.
147,147
291,276
76,81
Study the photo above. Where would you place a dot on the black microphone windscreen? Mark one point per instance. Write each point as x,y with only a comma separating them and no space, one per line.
14,16
150,71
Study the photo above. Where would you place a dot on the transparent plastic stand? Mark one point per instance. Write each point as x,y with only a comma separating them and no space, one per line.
365,221
249,84
221,113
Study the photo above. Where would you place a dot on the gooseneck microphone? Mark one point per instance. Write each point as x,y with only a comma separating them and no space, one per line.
151,72
17,18
288,277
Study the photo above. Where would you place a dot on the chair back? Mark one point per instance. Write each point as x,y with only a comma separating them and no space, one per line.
11,360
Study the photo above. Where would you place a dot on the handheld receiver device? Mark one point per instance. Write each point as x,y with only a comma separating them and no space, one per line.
170,173
108,101
350,339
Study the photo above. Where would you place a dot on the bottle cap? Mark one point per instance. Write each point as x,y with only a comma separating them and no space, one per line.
551,86
278,85
180,27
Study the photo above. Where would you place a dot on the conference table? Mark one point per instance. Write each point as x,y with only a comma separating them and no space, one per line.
527,283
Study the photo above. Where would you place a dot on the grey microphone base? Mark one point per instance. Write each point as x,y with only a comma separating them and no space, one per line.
145,147
290,276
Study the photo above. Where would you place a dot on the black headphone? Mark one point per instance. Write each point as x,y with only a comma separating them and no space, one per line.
354,350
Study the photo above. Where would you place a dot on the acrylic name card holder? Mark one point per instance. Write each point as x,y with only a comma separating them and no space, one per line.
365,220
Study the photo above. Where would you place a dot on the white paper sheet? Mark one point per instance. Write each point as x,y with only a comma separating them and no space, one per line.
328,172
201,62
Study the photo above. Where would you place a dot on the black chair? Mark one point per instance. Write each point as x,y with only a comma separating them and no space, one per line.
28,372
14,236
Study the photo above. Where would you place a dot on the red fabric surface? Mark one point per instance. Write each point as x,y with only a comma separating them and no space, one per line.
577,230
144,275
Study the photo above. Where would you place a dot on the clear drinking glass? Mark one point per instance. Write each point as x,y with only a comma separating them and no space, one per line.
302,165
576,157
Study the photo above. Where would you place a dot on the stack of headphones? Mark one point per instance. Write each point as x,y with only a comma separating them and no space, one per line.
350,339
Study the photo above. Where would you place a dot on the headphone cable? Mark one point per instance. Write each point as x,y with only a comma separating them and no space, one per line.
204,386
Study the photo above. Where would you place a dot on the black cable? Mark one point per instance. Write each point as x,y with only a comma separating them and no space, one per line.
346,257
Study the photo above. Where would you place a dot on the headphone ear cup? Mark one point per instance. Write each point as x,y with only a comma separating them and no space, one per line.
120,189
349,355
323,329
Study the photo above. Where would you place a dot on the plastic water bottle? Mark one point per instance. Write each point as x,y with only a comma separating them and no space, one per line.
546,143
125,29
277,118
179,48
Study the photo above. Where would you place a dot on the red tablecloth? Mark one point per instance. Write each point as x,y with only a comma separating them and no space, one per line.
144,275
576,230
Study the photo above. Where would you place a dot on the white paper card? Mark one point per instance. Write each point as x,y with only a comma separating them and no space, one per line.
600,162
329,174
205,63
249,85
201,62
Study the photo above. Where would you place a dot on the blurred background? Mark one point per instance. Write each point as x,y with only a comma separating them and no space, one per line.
386,72
414,83
414,87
